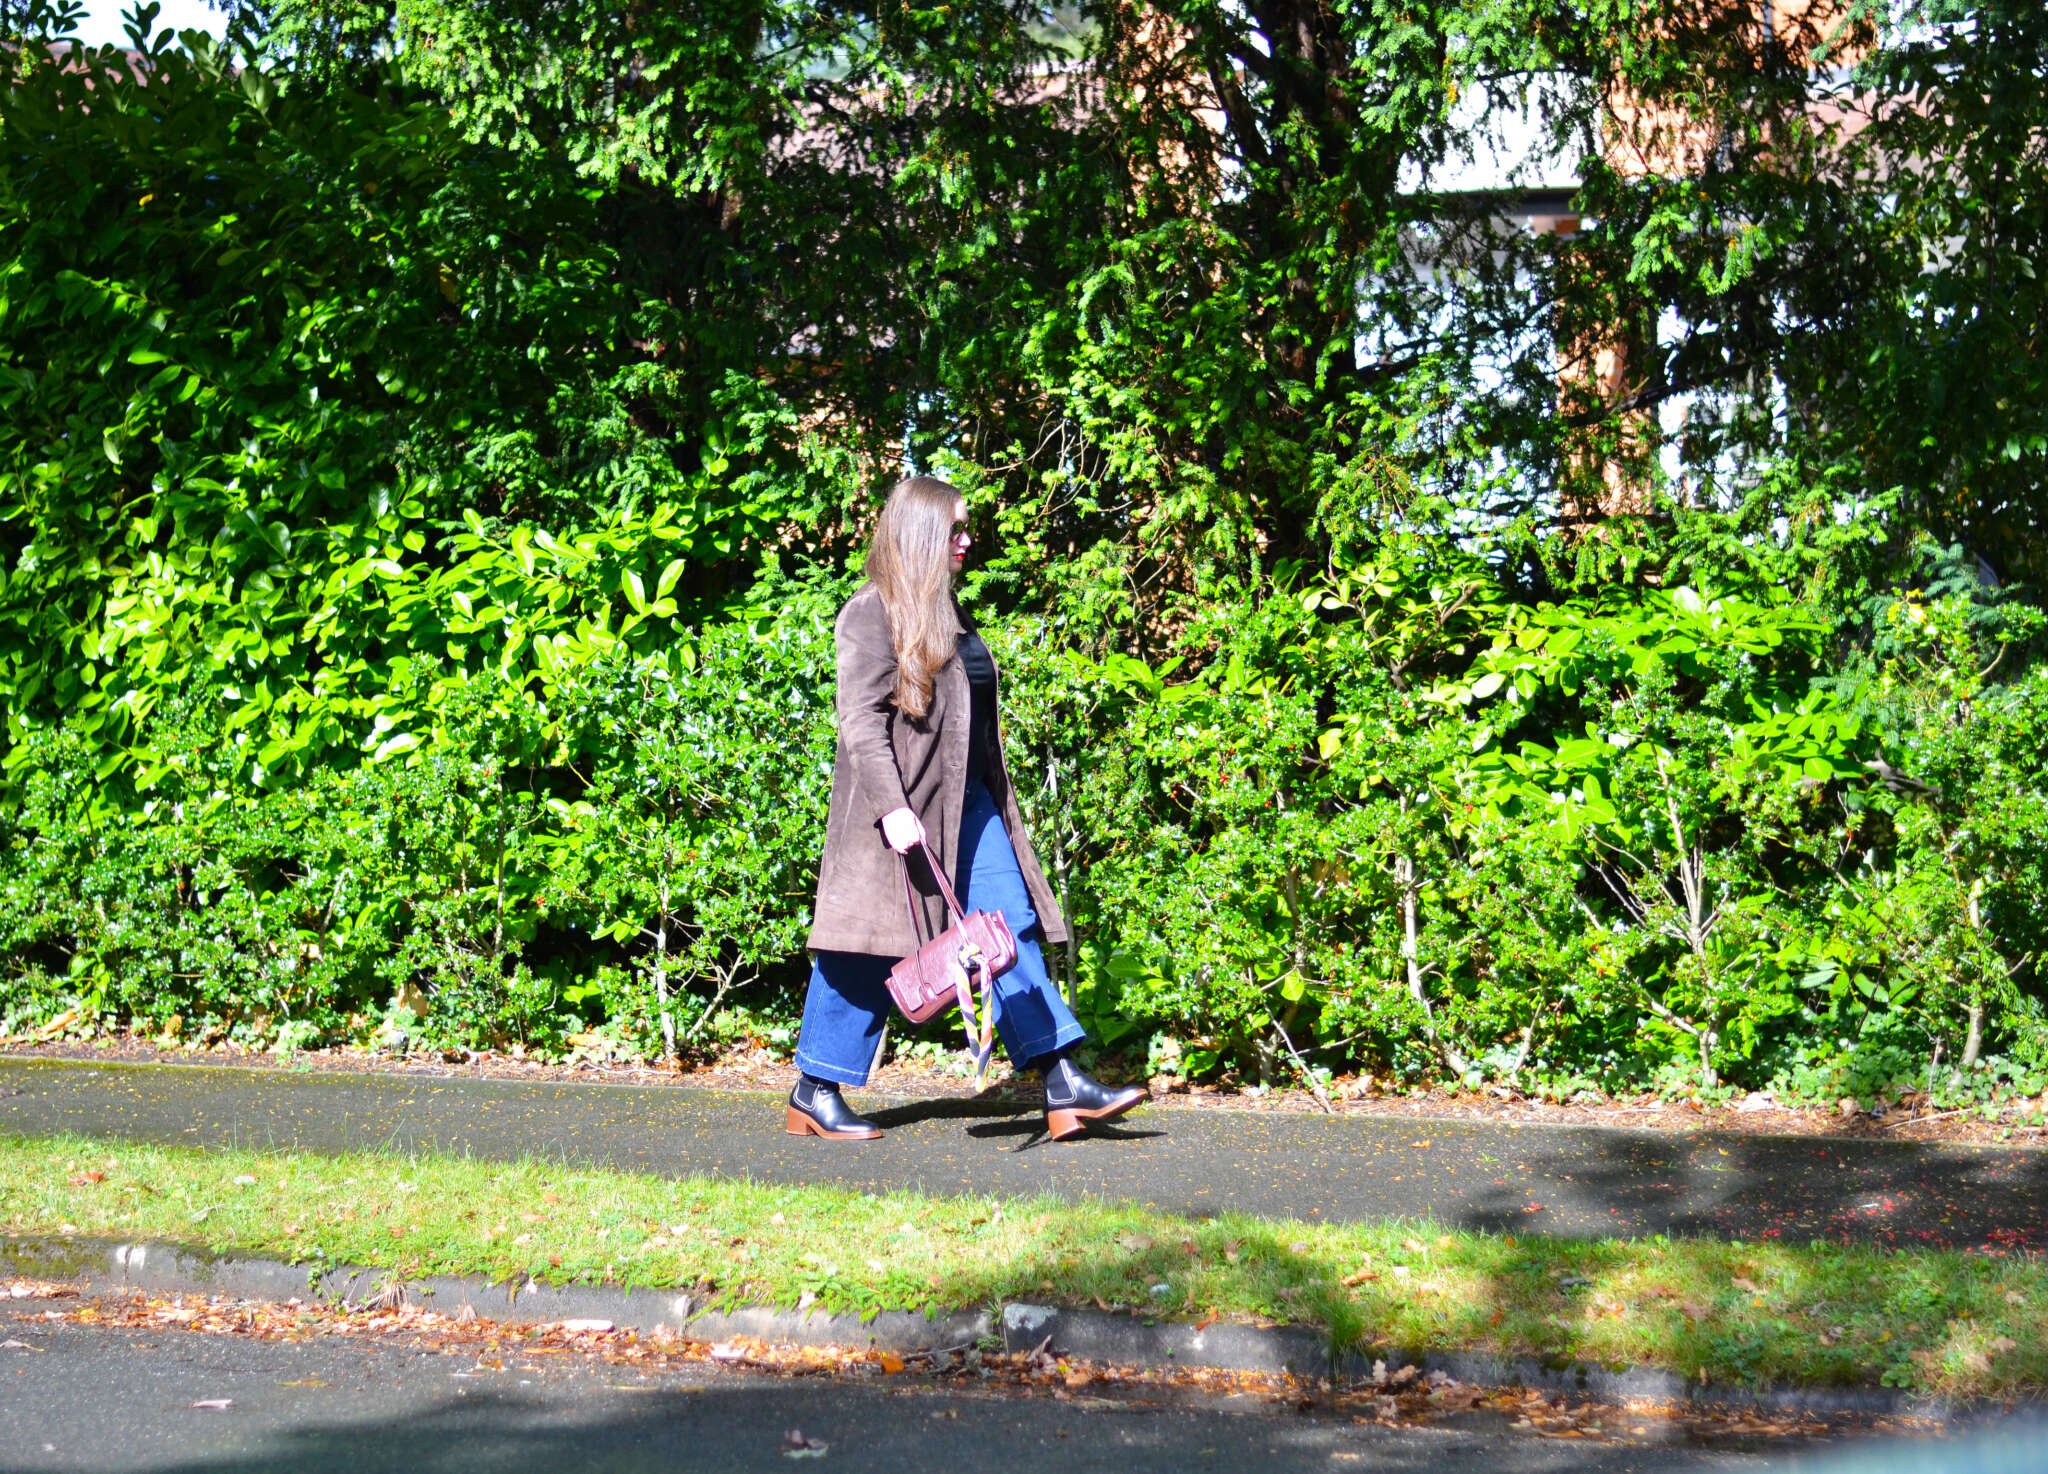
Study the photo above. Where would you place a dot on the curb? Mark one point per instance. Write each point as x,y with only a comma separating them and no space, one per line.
1089,1335
179,1269
1128,1340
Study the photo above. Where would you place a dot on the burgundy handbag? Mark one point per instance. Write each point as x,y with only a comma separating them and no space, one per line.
942,970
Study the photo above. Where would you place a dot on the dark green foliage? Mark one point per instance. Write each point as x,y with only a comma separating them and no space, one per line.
612,852
293,378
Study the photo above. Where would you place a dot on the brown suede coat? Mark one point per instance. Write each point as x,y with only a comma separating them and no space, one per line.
884,761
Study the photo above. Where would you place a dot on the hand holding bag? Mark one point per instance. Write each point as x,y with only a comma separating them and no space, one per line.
942,970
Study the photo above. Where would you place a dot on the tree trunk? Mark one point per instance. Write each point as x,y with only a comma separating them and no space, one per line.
668,1021
1404,875
1973,1042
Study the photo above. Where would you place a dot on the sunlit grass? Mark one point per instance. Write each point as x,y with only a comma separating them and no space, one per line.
1770,1313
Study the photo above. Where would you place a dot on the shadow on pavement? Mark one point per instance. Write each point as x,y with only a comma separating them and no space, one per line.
976,1108
997,1118
743,1426
1889,1194
1033,1132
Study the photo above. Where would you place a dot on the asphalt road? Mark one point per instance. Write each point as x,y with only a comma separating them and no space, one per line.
1576,1181
85,1398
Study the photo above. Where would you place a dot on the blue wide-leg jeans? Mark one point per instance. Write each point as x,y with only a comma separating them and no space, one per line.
849,998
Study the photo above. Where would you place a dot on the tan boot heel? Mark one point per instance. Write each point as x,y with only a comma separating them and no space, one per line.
1064,1125
796,1123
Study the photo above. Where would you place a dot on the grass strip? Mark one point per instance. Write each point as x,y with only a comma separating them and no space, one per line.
1946,1322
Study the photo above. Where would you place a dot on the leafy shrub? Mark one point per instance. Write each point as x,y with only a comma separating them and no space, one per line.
421,549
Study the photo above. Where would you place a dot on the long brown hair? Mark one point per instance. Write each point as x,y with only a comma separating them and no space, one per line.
910,563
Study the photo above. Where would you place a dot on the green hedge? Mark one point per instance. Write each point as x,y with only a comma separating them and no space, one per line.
421,549
1643,839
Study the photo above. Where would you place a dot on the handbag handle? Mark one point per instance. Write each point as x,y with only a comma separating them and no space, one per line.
945,889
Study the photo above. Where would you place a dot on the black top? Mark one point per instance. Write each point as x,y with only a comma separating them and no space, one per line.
981,727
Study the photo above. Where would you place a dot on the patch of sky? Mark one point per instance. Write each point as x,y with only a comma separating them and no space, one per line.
103,23
1503,134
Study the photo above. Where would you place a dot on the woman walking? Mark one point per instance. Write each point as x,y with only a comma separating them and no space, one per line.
919,771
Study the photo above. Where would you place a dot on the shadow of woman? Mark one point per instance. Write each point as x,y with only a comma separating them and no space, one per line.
952,1108
996,1117
1034,1134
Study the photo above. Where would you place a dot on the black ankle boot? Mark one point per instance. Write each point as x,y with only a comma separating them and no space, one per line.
1072,1100
817,1109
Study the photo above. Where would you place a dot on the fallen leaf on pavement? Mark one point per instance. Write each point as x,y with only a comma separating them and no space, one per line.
586,1325
889,1362
1041,1364
796,1446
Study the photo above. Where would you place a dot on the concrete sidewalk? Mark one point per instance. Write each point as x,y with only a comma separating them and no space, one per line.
91,1399
1567,1181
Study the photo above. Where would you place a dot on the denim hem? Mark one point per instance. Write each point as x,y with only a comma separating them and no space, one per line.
1028,1050
837,1074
